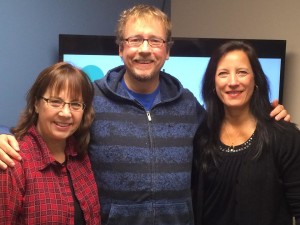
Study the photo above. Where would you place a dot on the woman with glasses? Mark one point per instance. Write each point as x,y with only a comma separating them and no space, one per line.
54,182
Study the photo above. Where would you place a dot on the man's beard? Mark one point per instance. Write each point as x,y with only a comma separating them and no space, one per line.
142,78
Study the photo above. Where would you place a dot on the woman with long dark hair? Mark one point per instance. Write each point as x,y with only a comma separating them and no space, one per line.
246,164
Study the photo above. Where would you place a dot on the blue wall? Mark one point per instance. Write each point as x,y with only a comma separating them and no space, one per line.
29,39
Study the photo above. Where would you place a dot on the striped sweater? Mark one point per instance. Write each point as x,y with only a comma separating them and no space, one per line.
142,159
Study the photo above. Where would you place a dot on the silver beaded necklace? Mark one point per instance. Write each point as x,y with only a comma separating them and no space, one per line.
237,148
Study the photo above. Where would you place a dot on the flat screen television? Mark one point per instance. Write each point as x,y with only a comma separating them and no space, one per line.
188,58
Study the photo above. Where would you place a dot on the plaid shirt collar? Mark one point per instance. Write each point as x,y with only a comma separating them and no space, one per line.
45,157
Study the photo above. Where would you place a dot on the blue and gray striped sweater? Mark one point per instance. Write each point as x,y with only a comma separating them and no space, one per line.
142,160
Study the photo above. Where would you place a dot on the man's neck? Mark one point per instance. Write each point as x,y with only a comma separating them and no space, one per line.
141,87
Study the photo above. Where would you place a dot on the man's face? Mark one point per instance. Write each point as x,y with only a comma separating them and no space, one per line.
143,63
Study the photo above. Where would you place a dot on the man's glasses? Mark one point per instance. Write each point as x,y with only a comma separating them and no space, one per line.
138,41
59,104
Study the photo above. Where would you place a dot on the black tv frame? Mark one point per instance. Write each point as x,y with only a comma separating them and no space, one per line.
202,47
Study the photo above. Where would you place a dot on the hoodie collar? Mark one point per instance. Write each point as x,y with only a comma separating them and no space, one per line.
170,87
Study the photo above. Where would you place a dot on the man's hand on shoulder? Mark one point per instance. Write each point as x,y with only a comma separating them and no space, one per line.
8,149
279,112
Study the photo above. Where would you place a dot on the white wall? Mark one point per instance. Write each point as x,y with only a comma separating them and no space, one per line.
255,19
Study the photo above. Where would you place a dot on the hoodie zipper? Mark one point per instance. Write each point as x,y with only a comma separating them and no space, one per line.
148,116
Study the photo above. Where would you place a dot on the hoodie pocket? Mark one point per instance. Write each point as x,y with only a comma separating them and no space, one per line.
174,214
134,214
151,214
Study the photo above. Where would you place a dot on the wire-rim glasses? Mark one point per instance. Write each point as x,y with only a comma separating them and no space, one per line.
57,103
137,41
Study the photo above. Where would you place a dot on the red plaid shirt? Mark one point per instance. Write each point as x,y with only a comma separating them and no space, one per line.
37,190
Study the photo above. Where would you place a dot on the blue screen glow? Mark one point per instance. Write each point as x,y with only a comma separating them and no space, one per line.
189,70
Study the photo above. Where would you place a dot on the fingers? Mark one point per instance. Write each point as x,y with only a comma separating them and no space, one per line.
283,114
3,166
288,118
9,146
278,112
5,160
7,152
13,142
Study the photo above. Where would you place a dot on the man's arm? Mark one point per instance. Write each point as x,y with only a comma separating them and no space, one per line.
9,148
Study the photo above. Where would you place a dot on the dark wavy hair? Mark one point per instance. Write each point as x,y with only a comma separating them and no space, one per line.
207,137
56,78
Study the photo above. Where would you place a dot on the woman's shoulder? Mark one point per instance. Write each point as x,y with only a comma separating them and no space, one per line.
286,140
285,129
28,146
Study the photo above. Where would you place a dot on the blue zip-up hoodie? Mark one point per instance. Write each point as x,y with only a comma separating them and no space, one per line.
142,159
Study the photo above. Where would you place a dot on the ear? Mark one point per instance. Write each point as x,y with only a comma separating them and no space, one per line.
121,50
168,54
36,106
168,49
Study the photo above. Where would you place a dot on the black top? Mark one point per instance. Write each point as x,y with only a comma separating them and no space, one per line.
219,186
243,190
78,218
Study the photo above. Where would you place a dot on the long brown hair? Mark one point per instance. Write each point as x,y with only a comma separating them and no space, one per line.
56,78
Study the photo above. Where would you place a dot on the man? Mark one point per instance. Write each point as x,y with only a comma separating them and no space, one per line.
141,138
141,148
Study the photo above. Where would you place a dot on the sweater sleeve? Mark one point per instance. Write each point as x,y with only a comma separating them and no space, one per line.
289,167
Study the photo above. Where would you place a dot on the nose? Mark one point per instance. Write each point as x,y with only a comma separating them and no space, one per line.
145,47
65,110
233,79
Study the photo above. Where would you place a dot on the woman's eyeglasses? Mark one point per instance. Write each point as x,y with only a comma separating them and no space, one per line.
59,104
